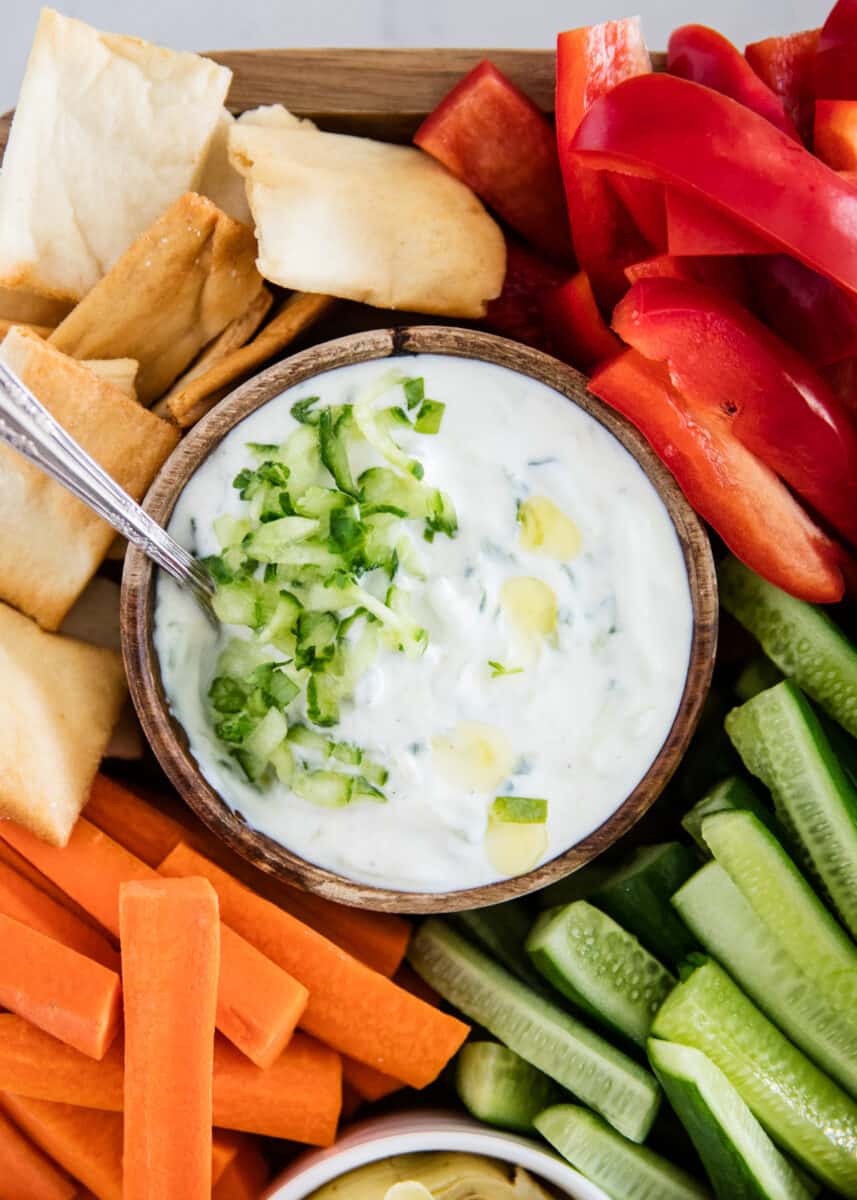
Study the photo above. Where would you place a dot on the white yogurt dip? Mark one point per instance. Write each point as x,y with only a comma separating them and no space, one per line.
552,670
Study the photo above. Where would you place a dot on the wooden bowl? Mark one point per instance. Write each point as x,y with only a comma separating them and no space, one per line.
167,736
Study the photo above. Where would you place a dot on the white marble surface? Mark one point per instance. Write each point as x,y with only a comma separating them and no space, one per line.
221,24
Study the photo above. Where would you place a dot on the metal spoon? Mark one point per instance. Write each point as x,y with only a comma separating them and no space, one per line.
28,427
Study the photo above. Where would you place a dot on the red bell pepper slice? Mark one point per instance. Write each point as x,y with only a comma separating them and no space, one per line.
491,135
678,132
705,56
580,334
835,133
694,227
805,309
728,275
646,202
519,310
787,66
589,62
842,377
778,406
752,510
836,54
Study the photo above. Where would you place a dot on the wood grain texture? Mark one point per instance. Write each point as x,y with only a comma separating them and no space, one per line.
168,738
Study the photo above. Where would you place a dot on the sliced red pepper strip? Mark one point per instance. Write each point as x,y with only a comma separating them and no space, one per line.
491,135
681,133
519,310
646,202
580,334
589,62
705,56
752,510
787,66
694,227
836,55
842,377
727,274
778,406
835,133
805,309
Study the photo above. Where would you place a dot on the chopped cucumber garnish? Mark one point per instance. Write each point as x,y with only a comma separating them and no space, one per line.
500,1087
429,417
520,810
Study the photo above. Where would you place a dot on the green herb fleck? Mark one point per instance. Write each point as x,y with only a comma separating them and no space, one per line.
497,669
414,390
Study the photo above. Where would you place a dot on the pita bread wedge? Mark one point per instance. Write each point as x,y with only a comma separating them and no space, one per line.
44,331
50,543
26,308
61,699
108,132
121,372
364,220
174,290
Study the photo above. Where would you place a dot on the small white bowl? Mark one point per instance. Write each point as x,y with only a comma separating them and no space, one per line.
413,1132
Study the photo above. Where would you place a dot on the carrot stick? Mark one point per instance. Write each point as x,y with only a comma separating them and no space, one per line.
225,1147
18,863
245,1177
169,935
258,1002
69,996
86,1142
297,1099
378,939
368,1083
26,1172
351,1101
352,1008
24,902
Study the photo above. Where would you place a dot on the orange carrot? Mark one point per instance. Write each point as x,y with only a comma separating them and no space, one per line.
225,1146
258,1002
245,1177
169,935
69,996
18,863
378,939
352,1008
86,1142
25,1172
368,1083
351,1101
297,1099
23,901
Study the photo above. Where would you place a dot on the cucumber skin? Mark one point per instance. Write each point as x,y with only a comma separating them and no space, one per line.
547,947
511,1011
819,828
784,992
499,1087
794,1102
729,1173
639,902
799,638
501,930
635,1172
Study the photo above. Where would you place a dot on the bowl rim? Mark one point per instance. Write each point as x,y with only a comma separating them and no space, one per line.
420,1131
166,736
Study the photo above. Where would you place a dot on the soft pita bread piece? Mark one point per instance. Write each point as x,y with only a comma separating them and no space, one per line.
350,217
61,699
51,543
121,372
108,132
171,293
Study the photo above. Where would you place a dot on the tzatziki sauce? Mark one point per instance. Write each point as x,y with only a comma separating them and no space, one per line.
558,622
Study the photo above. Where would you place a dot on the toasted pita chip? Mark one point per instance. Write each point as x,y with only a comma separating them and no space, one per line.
347,216
108,132
43,331
175,289
236,334
190,403
121,372
51,543
61,699
25,308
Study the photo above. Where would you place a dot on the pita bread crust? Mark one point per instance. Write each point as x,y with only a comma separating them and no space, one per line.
26,308
51,543
173,291
108,131
367,221
61,699
121,372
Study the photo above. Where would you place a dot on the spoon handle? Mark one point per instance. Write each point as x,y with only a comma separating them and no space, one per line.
28,427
